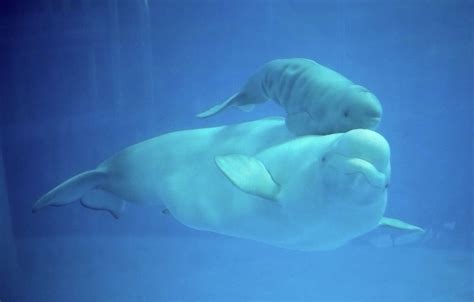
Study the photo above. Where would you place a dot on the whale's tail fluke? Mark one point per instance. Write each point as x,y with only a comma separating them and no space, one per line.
84,186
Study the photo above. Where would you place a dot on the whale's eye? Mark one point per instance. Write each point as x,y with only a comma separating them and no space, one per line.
386,185
346,113
323,159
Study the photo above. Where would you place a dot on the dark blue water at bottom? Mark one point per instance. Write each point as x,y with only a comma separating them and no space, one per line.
221,269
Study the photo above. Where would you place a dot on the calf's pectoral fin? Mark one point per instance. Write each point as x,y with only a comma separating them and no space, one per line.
398,224
102,200
249,175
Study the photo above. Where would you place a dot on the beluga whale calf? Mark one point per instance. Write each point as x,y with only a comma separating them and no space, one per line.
253,180
317,100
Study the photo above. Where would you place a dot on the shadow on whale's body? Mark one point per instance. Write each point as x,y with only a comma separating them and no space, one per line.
252,180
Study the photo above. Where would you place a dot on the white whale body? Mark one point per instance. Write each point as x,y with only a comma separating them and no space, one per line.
253,180
317,99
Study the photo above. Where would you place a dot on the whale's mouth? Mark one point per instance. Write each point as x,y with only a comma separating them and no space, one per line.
354,166
358,166
373,122
363,156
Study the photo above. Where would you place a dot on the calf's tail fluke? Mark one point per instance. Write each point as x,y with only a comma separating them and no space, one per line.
71,190
219,107
238,100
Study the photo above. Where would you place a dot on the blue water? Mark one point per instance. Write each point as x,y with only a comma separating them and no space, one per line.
81,80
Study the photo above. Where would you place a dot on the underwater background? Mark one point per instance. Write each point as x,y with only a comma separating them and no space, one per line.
81,80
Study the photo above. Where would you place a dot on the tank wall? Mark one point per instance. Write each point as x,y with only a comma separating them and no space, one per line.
8,259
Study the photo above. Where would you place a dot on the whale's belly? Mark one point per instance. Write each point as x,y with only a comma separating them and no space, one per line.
202,198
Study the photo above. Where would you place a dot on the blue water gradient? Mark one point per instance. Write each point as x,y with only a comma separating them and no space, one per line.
80,80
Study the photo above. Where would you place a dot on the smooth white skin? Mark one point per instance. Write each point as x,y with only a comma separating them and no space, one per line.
325,198
318,100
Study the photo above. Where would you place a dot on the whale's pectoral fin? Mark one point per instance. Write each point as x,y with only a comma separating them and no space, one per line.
398,224
234,100
102,200
249,175
393,232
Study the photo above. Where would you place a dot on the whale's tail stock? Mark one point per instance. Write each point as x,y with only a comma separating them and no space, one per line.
86,187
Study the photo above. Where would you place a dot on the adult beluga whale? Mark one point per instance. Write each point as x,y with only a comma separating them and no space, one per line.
253,180
317,100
